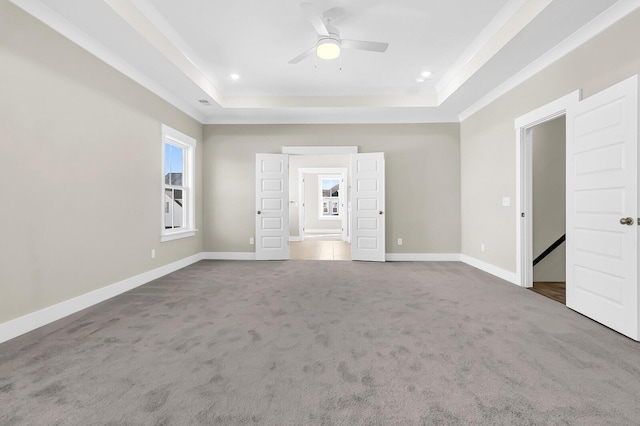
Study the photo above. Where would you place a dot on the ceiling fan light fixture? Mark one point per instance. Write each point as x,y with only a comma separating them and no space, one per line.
328,48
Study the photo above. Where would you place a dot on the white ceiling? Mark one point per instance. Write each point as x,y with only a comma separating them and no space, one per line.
185,51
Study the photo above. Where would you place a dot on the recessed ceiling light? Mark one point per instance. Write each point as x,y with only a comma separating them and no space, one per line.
419,80
234,76
426,74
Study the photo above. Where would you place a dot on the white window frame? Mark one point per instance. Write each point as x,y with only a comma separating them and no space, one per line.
188,143
336,176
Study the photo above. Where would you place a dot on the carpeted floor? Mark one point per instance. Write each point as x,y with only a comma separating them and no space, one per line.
322,343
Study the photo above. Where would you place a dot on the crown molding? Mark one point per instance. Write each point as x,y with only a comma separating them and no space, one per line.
583,35
44,14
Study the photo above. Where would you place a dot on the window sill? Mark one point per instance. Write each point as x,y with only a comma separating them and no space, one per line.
177,235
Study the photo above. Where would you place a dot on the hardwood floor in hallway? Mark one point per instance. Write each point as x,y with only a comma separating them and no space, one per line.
553,290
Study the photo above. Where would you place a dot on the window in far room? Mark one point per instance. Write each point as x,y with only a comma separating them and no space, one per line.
329,191
177,195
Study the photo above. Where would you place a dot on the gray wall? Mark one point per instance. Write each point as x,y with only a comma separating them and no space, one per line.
487,138
80,153
549,154
422,179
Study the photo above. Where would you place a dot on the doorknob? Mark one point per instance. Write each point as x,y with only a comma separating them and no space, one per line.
626,221
259,212
380,212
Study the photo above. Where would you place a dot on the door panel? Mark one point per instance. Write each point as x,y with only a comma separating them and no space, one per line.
272,204
367,216
602,186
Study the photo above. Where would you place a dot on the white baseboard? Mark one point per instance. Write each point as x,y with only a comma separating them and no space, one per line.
489,268
222,255
37,319
323,231
422,257
295,238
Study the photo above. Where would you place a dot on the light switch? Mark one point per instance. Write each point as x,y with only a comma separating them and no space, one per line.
506,201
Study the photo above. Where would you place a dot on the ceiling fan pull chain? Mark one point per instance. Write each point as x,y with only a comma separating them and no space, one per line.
340,62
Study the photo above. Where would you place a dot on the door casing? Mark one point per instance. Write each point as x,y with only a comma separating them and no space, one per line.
524,180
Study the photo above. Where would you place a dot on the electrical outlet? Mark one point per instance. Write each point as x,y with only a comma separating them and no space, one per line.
399,241
482,247
506,201
252,241
153,253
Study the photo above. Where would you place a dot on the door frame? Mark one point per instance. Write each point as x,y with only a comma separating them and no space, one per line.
524,180
343,172
312,150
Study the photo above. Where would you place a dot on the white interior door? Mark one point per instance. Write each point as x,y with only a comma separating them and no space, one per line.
272,206
602,207
367,207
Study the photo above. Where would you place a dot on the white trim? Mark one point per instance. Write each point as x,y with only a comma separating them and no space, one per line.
524,180
603,21
483,39
301,205
319,150
323,170
43,13
220,255
188,144
177,136
422,257
513,18
163,42
177,235
324,231
295,238
547,112
489,268
42,317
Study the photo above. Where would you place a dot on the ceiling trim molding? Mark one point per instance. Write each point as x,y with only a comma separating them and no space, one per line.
596,26
158,20
483,38
511,20
389,101
333,116
41,12
150,32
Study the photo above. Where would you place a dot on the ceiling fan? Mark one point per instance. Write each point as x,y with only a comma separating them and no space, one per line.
329,41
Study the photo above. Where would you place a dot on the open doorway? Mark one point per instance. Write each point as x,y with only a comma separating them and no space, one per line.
525,126
366,212
548,155
318,207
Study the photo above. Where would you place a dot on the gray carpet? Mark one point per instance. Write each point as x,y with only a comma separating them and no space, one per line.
322,343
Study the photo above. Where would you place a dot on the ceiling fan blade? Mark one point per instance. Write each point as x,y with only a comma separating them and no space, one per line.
314,17
372,46
303,55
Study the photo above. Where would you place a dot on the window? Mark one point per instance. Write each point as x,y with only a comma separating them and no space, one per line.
329,190
178,220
